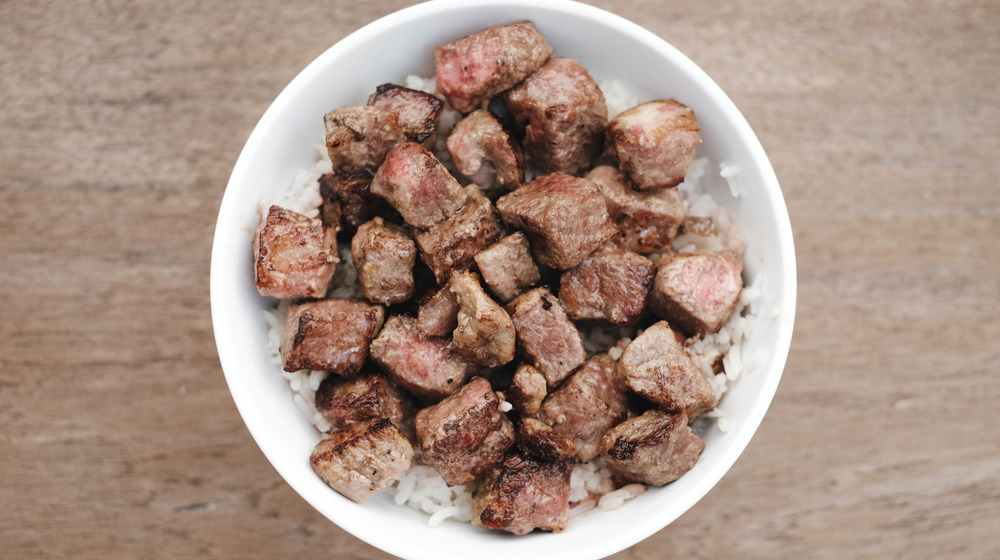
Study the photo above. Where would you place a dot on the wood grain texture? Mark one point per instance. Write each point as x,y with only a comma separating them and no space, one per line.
120,123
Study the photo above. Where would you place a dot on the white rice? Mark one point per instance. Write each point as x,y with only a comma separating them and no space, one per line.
591,484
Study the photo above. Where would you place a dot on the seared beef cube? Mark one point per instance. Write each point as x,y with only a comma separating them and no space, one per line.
655,143
656,366
415,183
485,334
476,67
453,244
485,153
507,267
363,458
350,198
384,255
521,494
647,222
294,256
424,365
537,439
564,217
330,335
358,138
438,316
655,448
697,292
465,433
611,285
587,405
527,390
346,400
418,112
545,336
564,116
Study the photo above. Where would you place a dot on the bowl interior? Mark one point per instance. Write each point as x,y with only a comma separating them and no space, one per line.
284,142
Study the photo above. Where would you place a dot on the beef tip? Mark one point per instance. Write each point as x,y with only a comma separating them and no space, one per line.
294,256
346,400
438,315
564,116
363,458
611,285
507,266
465,433
537,439
453,244
527,390
358,138
655,448
415,183
485,153
647,222
564,217
545,335
384,255
655,143
424,365
656,367
522,493
697,292
589,403
485,334
350,198
476,67
418,112
330,335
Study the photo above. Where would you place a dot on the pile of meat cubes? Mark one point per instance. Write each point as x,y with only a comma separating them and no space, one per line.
479,281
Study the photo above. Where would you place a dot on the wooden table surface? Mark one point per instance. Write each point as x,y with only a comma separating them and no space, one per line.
120,124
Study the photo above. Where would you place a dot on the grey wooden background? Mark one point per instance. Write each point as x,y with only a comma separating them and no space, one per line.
121,121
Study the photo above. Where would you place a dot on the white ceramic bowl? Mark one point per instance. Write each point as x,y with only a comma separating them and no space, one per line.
388,50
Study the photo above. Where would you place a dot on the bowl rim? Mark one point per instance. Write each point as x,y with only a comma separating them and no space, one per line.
227,345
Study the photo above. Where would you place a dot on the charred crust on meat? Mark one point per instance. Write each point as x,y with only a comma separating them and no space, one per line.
303,330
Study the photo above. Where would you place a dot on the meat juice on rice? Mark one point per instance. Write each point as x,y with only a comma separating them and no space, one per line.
591,484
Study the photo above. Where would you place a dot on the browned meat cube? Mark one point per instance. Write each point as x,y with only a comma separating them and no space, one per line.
384,255
424,365
453,244
415,183
418,112
587,405
363,458
545,336
294,256
527,390
564,217
656,367
476,67
346,400
564,115
485,334
697,292
537,439
507,267
485,153
358,138
438,316
655,448
348,201
611,285
521,494
655,143
647,222
465,433
330,335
